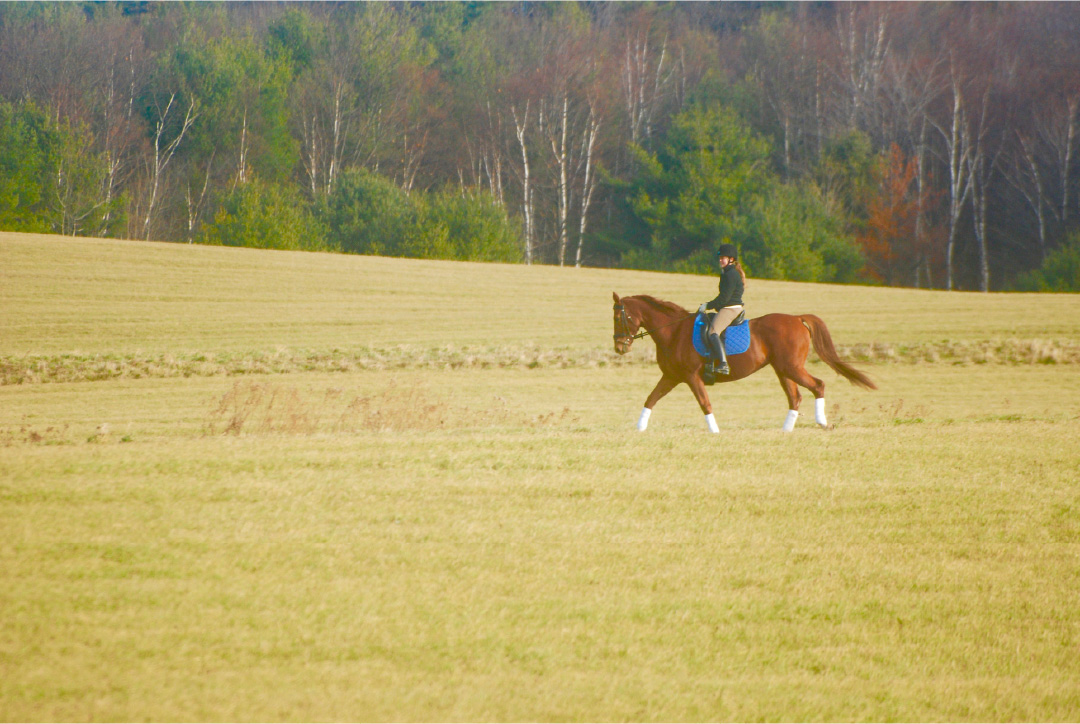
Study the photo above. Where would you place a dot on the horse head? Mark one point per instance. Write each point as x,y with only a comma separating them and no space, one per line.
626,325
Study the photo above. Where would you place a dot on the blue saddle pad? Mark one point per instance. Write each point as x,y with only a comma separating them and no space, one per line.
736,339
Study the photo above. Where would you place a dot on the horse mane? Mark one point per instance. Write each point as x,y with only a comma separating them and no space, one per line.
661,306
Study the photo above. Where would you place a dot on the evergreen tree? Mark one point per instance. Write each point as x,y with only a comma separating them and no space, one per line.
29,152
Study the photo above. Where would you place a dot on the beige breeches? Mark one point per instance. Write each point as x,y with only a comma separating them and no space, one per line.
723,318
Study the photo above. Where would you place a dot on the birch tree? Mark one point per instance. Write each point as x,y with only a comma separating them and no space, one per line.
646,78
588,185
119,131
956,137
168,133
556,127
521,128
570,121
983,160
1040,163
1056,124
785,68
864,45
353,103
1026,176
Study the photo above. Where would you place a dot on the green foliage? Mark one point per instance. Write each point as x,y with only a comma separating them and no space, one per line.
846,172
369,214
266,216
77,187
711,180
442,25
28,154
793,234
704,177
50,179
1060,271
477,226
292,38
242,94
375,47
723,100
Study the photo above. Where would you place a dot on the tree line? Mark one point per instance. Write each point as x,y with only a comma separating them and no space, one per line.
910,144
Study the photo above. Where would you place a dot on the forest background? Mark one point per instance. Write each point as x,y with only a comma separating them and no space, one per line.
912,144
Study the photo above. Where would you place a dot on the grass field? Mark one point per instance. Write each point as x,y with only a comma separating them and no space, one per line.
245,485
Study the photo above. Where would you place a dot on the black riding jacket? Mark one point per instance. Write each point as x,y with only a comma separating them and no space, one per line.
731,289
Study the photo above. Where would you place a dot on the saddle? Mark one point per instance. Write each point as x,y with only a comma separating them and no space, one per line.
736,338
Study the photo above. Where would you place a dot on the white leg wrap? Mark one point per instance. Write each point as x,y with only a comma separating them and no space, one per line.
710,422
789,423
819,412
643,421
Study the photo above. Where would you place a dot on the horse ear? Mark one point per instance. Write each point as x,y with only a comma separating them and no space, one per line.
615,297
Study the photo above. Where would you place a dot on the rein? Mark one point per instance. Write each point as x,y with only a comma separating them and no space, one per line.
624,319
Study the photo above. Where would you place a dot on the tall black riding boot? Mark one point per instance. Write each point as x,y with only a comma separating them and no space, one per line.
719,361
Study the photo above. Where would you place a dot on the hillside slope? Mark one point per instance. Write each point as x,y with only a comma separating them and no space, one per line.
64,295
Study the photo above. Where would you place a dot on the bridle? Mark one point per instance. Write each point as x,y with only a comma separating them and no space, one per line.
624,320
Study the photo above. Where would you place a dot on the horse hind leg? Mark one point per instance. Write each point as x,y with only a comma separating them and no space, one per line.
794,397
817,387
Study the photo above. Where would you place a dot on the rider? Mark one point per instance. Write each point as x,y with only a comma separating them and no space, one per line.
727,304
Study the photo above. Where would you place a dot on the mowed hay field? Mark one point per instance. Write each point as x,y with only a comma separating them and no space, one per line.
250,485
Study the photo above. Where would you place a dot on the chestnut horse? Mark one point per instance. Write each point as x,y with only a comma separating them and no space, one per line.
782,340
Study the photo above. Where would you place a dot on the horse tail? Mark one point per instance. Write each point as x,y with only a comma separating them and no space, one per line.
823,345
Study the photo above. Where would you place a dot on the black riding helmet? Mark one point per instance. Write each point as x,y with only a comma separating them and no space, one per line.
727,250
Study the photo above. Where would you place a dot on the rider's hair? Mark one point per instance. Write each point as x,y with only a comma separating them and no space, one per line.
738,267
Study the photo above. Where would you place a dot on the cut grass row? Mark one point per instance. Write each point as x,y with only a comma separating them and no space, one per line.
35,369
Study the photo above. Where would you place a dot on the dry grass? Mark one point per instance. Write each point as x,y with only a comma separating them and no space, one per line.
1007,352
918,562
27,369
88,368
271,486
147,301
268,407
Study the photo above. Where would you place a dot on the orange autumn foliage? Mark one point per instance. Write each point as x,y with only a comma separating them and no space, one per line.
888,240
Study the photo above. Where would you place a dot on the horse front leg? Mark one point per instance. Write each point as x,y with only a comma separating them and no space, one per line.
664,386
702,395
